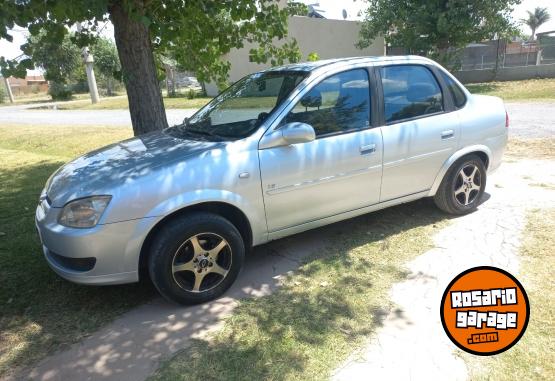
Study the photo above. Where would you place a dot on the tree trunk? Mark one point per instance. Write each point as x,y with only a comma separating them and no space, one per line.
139,71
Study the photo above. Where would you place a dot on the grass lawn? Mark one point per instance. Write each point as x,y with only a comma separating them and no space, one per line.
39,312
528,90
120,102
300,332
37,98
533,357
83,102
323,312
537,148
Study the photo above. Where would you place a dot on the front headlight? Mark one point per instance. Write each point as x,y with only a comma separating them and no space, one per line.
85,212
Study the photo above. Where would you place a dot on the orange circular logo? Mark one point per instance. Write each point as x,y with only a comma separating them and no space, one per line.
485,310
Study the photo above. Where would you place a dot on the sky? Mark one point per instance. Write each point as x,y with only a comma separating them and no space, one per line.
333,9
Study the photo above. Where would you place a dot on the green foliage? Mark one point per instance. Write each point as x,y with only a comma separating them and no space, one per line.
313,56
106,60
107,66
61,61
59,91
536,19
204,32
197,33
436,28
3,91
298,9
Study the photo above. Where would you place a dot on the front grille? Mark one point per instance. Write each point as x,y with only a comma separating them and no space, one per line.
74,264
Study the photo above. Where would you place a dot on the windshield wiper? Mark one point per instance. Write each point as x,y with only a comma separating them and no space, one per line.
202,132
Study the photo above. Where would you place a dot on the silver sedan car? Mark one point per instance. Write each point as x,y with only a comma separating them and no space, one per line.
279,152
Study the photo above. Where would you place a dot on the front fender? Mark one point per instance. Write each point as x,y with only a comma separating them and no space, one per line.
453,158
144,225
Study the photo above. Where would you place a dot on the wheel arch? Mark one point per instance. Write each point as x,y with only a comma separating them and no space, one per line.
231,212
482,151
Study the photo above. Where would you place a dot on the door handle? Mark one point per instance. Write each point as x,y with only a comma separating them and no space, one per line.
447,134
367,149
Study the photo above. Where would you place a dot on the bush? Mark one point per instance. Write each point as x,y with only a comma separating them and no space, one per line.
191,94
79,87
59,91
313,56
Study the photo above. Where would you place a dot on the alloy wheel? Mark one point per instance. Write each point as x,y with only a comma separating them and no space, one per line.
468,184
202,262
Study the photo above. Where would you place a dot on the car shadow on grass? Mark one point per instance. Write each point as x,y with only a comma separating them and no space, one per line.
335,298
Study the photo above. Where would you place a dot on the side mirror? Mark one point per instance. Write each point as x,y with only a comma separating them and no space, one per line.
290,133
294,133
186,120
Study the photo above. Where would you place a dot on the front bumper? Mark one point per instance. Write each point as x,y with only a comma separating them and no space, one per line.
103,255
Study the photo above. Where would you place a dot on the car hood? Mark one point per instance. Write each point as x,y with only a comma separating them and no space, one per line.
99,172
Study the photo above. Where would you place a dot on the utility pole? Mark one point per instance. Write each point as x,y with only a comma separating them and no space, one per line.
9,89
88,60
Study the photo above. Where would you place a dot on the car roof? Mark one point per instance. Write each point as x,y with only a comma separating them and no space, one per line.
331,63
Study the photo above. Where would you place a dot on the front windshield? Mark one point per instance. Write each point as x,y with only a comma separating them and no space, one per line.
241,109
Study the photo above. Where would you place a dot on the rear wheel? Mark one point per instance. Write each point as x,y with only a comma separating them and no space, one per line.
463,186
196,258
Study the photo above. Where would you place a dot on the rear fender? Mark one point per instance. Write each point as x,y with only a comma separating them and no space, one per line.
453,158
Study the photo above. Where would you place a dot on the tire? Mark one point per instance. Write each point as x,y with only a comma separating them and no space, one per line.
461,189
195,258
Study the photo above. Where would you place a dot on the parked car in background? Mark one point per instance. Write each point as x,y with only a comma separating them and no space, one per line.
279,152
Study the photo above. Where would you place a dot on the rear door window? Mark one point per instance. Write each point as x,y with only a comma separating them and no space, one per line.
410,91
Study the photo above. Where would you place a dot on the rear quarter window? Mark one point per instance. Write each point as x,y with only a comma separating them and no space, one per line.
459,99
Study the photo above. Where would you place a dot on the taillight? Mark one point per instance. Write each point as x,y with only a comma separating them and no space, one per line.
506,119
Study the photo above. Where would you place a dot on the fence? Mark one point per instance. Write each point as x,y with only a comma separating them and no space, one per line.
514,73
500,55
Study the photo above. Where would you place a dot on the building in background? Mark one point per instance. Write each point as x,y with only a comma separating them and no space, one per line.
31,84
547,46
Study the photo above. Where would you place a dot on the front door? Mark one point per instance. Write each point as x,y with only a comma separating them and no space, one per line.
340,170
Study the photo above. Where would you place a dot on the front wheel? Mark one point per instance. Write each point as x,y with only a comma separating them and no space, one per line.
462,187
196,258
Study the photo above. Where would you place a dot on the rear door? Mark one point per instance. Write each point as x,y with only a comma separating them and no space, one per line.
419,132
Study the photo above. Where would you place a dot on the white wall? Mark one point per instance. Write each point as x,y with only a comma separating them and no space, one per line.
328,38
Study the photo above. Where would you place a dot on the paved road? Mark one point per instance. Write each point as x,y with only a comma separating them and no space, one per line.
23,114
532,120
528,120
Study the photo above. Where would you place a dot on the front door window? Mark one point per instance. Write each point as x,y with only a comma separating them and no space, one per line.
339,103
